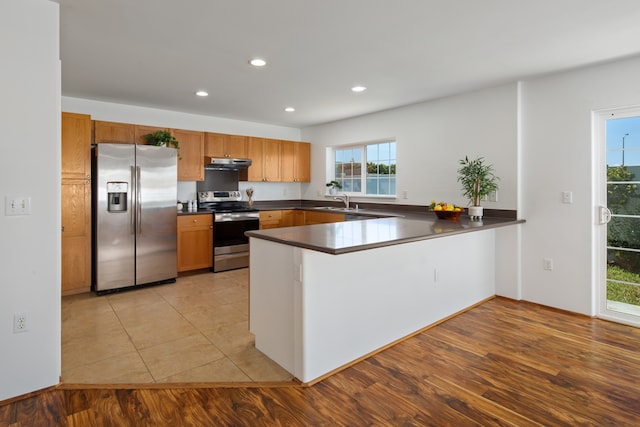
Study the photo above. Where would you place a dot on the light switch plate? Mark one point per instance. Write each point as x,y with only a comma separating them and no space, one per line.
17,205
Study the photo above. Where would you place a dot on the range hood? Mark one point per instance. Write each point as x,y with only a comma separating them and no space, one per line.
226,163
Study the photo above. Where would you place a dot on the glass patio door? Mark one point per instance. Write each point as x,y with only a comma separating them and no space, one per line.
620,260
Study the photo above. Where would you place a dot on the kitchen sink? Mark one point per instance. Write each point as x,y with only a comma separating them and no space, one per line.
334,208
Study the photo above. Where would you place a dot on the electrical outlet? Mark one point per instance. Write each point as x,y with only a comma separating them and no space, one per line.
548,264
405,194
19,322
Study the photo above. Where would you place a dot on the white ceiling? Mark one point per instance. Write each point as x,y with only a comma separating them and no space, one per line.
157,53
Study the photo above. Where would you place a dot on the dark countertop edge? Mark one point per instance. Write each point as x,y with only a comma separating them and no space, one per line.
183,213
258,235
365,209
381,209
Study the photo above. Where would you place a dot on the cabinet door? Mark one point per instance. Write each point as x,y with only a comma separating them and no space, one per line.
195,242
271,159
140,131
190,155
76,236
295,161
313,217
76,146
113,132
270,219
214,145
287,161
302,159
76,203
255,151
236,146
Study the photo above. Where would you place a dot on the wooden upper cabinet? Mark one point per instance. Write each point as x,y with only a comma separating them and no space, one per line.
76,146
295,161
113,132
271,158
255,151
222,145
139,131
302,156
190,154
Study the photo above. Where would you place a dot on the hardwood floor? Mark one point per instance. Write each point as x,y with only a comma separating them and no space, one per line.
502,363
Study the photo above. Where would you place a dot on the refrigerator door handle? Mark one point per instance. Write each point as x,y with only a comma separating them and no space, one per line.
138,201
132,214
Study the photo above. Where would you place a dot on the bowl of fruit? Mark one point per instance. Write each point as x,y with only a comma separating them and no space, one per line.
444,210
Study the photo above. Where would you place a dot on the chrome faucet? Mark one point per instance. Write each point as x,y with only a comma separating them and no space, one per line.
344,198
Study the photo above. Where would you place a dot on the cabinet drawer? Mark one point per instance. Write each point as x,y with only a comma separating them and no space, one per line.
194,221
270,215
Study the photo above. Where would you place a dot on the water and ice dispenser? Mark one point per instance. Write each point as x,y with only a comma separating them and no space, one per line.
117,196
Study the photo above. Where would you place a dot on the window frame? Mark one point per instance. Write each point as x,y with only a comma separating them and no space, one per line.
331,166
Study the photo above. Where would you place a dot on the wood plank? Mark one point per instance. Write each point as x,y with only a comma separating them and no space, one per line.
501,363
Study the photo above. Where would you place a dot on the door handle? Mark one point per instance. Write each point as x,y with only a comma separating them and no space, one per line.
138,200
132,207
605,215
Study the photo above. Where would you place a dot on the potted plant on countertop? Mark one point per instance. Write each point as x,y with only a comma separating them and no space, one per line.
334,186
478,180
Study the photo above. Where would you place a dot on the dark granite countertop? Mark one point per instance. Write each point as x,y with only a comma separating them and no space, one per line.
351,236
185,212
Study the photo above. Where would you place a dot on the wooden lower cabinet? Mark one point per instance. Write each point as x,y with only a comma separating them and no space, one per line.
270,219
293,217
315,217
76,236
195,242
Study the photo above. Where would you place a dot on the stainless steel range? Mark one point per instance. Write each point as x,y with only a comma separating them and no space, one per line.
232,218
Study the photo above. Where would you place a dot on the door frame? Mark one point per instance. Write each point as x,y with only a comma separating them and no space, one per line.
599,194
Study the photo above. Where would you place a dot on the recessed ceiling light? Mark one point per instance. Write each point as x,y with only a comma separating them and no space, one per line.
257,62
289,109
358,88
202,93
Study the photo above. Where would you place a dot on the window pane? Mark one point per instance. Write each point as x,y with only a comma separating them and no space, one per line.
624,198
372,153
622,263
381,168
624,232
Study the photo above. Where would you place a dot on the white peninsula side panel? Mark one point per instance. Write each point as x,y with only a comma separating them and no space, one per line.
313,312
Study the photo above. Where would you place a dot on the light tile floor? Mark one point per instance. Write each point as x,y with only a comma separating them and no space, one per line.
194,330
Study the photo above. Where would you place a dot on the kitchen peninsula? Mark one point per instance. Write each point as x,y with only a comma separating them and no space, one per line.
323,296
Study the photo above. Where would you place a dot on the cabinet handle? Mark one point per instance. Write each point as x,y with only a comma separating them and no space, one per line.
195,220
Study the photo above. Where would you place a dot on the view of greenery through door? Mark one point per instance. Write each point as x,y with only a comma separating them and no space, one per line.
623,200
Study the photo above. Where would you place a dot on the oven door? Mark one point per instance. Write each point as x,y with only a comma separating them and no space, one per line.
230,245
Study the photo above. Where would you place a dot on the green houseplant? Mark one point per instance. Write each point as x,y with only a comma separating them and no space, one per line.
334,186
162,138
478,180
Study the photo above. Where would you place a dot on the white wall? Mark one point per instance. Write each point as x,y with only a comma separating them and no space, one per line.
557,156
113,112
30,166
431,138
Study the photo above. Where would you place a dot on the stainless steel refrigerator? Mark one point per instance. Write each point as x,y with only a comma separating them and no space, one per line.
134,215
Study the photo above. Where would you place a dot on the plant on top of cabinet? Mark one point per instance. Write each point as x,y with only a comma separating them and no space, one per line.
162,138
478,180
